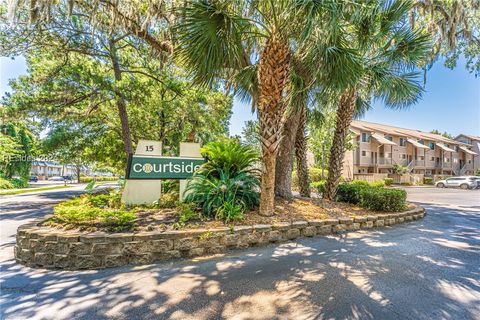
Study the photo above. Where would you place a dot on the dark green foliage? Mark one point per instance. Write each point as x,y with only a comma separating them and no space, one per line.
381,199
374,198
228,156
211,193
349,192
227,184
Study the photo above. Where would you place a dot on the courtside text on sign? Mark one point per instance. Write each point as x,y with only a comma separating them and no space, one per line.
142,167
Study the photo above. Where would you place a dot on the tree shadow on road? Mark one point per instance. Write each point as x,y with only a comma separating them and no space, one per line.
419,270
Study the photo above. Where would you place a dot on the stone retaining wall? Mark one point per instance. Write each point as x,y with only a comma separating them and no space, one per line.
48,248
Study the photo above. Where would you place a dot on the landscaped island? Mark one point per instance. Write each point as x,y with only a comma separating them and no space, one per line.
220,212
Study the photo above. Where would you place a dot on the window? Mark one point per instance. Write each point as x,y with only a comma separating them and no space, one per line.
403,142
421,141
402,156
432,158
469,161
388,155
422,158
455,148
431,145
455,160
364,153
388,137
446,160
365,137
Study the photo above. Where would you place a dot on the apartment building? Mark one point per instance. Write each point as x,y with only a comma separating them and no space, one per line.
379,147
474,143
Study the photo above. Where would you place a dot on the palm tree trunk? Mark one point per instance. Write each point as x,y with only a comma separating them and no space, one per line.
284,166
273,71
301,154
345,113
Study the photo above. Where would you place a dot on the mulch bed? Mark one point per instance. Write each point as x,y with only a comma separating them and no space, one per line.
286,211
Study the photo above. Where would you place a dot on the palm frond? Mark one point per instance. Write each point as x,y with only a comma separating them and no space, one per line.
211,39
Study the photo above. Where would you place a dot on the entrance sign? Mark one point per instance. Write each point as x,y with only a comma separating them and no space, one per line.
147,167
142,167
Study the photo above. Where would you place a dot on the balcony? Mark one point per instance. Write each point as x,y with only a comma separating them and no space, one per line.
384,161
444,165
419,163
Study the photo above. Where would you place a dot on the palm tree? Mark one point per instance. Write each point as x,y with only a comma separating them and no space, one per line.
254,42
390,50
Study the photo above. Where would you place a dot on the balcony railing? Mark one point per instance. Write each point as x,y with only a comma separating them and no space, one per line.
419,163
384,161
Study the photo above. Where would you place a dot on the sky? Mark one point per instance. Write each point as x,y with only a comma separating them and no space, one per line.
451,101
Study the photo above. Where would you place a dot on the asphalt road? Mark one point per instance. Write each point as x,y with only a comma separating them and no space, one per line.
427,269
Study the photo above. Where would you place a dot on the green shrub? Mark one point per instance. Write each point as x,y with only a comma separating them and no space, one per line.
428,180
381,199
19,183
370,197
350,192
95,209
6,184
314,174
319,186
360,183
226,182
168,200
378,184
388,181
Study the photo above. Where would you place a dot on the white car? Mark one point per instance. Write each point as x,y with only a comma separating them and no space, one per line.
458,182
56,178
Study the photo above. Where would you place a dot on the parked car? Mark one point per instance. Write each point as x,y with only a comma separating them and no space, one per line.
458,182
68,178
33,179
56,178
477,179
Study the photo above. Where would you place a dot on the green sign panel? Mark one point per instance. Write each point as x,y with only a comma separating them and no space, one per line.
162,167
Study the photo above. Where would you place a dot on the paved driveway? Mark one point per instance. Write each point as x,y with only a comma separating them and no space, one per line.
428,269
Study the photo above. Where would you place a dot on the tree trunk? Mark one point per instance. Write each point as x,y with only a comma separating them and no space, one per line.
273,72
284,166
344,117
120,100
78,172
301,154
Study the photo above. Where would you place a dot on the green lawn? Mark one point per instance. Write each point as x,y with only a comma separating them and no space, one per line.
20,191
